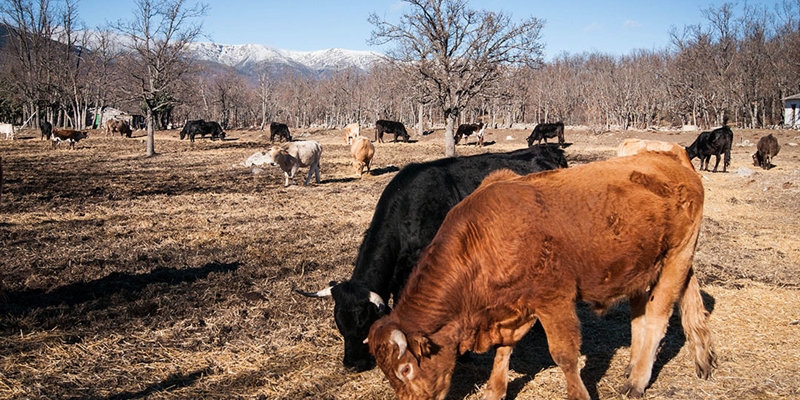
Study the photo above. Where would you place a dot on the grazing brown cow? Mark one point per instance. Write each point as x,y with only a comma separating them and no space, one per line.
362,150
464,130
117,125
767,148
67,135
514,251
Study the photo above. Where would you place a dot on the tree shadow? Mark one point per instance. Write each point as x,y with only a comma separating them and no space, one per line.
25,302
171,383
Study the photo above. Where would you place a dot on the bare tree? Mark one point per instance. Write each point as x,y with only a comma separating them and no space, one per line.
456,50
158,35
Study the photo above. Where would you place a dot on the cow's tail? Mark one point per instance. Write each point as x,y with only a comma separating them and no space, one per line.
694,318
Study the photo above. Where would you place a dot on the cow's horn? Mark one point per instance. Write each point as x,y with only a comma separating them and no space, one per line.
322,293
376,299
399,339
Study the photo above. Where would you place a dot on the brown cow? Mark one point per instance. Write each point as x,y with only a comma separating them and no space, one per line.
116,125
67,135
767,148
514,252
362,150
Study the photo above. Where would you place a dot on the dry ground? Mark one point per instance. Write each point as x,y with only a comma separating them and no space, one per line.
171,277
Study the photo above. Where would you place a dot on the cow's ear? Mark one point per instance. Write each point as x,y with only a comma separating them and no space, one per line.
420,346
405,371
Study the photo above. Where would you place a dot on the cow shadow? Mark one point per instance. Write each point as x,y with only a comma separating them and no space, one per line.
340,180
385,170
602,337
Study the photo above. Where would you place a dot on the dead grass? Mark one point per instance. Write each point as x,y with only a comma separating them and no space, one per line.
171,277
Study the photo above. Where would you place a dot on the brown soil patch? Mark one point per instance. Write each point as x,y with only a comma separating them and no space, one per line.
171,277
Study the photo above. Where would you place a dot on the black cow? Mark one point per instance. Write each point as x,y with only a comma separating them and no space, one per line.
710,143
202,128
545,131
281,130
767,148
383,126
406,219
46,128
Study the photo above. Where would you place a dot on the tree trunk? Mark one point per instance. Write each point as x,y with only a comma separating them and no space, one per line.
151,146
449,140
420,122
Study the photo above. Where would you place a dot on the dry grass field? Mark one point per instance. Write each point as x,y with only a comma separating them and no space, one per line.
172,277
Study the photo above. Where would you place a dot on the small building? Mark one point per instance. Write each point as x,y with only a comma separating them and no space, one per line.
791,112
108,113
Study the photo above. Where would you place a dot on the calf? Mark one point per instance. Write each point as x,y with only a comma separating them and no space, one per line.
464,130
8,130
280,130
629,230
70,136
350,132
46,128
710,143
767,148
544,131
362,150
406,218
297,154
383,126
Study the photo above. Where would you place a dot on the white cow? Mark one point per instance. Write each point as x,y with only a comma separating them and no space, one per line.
290,157
8,130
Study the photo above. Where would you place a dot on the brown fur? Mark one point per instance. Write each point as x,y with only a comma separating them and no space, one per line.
362,151
516,251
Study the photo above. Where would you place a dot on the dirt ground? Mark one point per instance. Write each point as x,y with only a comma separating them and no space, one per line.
172,277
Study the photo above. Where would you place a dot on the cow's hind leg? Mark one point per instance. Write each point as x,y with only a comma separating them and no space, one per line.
562,327
638,304
716,165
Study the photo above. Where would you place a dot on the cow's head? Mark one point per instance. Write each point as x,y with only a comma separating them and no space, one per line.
417,368
355,309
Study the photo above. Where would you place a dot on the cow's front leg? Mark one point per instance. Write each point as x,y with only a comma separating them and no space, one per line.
498,380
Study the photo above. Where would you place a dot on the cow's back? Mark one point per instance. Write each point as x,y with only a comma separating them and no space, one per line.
600,228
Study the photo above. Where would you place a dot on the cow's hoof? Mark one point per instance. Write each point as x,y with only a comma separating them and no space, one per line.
631,391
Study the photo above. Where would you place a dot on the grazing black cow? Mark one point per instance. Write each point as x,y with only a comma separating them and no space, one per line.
280,130
545,131
383,126
464,130
406,219
767,148
202,128
46,128
710,143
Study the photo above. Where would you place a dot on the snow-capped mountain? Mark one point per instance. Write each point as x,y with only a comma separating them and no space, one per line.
247,58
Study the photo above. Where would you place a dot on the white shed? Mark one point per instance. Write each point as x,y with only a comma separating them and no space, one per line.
791,112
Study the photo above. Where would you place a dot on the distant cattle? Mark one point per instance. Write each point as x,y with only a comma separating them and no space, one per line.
383,126
526,248
465,130
407,216
545,131
767,148
280,130
716,143
70,136
8,130
362,151
202,128
633,146
295,155
118,125
351,131
46,129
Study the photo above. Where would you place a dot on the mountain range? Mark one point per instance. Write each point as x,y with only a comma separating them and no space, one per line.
250,59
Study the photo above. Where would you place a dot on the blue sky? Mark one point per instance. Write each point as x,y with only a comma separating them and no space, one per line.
611,27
